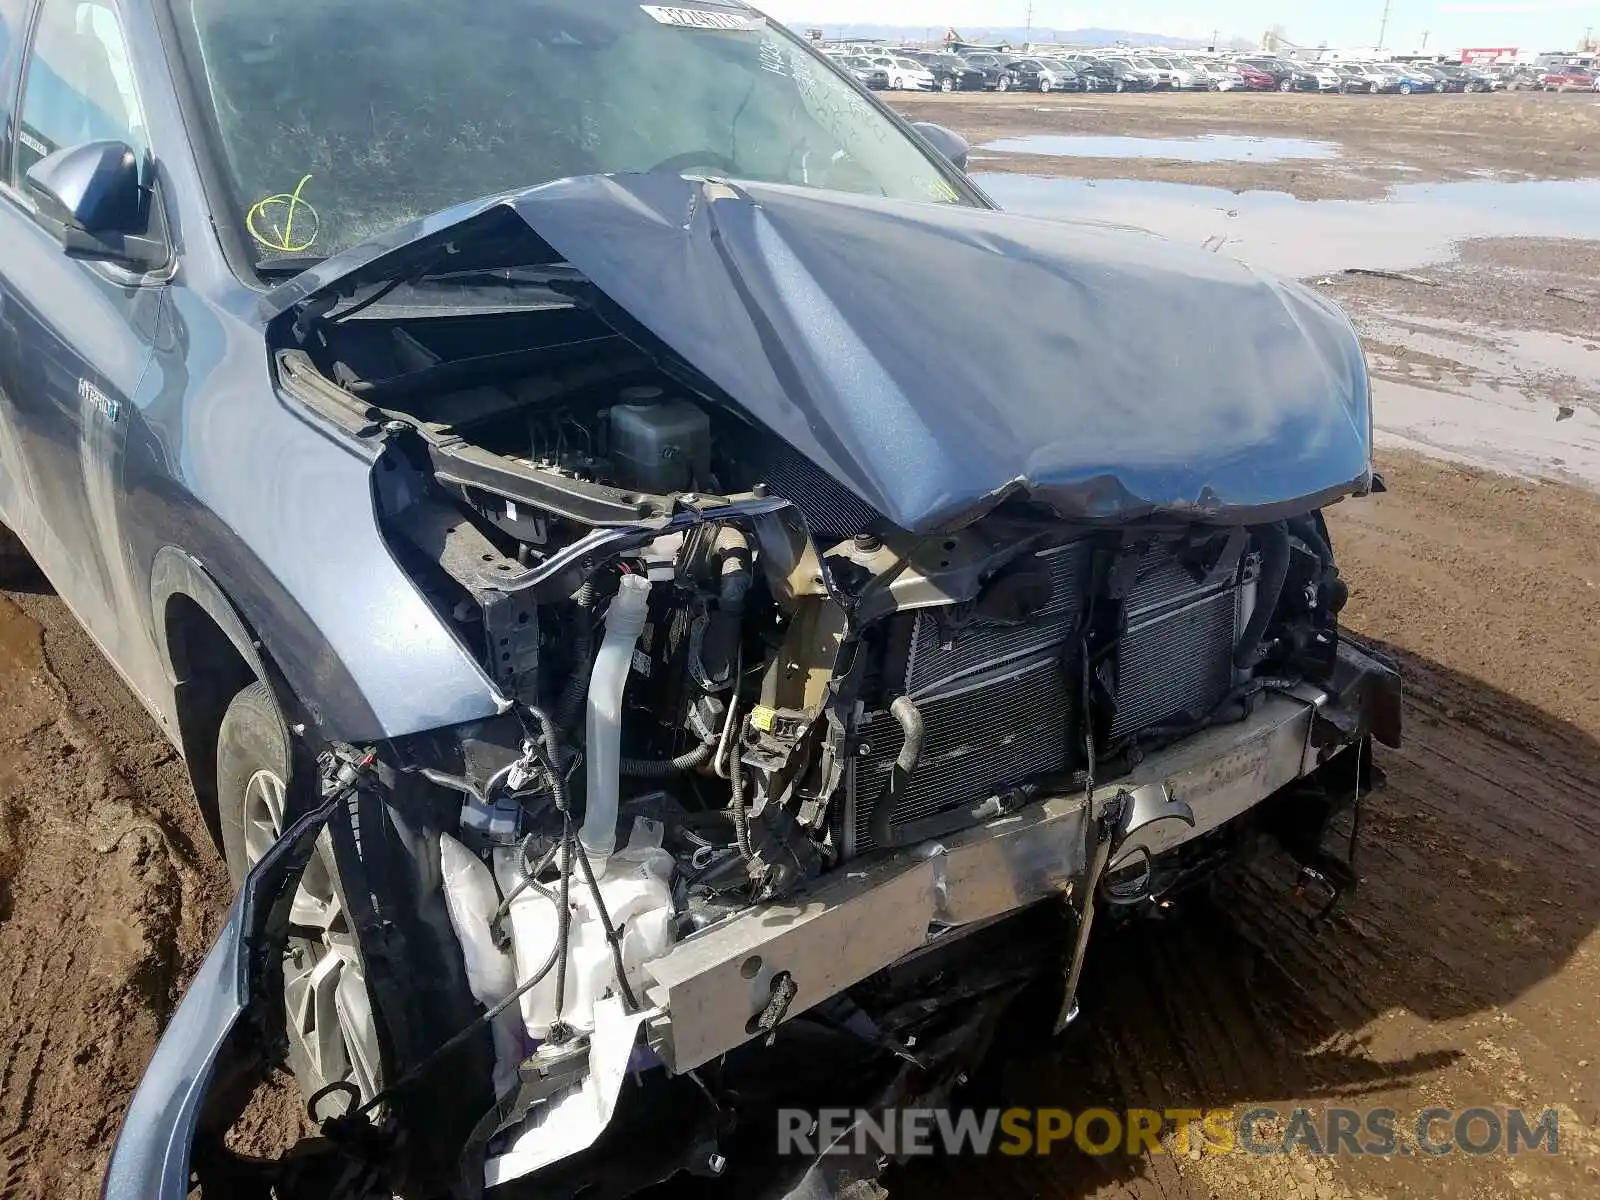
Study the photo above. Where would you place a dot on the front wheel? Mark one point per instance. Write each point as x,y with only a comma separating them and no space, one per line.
947,85
1044,85
1121,86
1286,86
1004,85
1405,89
328,1010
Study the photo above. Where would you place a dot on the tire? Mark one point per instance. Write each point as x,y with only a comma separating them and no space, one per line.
1003,84
1044,87
1286,86
1405,89
260,791
947,85
1122,85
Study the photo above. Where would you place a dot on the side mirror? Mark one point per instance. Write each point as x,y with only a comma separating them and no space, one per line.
94,191
946,141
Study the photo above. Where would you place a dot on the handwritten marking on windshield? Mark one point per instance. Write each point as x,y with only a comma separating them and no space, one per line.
700,18
272,221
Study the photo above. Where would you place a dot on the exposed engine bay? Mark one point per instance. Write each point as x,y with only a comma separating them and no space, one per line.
728,677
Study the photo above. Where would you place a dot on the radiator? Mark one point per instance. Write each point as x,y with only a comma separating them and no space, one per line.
999,703
943,653
977,740
1174,662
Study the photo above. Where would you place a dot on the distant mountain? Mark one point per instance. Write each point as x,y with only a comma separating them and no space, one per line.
1013,34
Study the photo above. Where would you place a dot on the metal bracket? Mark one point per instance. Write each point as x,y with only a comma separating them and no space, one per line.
511,629
1127,813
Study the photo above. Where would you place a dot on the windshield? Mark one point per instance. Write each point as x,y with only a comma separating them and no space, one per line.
339,119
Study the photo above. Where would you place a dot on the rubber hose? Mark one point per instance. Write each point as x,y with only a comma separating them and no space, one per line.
905,711
660,768
1274,541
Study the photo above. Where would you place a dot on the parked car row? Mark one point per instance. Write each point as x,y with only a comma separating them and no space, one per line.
1146,71
1570,77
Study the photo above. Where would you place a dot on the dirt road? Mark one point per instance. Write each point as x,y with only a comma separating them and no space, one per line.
1466,970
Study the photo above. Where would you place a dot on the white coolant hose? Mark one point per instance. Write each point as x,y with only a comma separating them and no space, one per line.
625,620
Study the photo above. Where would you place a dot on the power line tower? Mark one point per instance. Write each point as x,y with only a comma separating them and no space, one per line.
1383,27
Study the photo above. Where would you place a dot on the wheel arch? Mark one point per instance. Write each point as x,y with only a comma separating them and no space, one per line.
210,655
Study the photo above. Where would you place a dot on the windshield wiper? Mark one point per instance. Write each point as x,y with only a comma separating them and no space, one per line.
288,264
541,275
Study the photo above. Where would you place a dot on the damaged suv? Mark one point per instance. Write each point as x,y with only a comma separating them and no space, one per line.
590,494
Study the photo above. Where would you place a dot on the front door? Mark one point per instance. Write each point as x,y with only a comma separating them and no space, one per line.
75,337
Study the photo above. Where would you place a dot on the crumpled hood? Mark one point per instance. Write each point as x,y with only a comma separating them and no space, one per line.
936,358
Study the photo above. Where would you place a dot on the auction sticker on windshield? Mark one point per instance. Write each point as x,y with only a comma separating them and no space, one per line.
704,18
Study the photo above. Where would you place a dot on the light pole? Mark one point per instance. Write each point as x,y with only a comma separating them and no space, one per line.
1383,27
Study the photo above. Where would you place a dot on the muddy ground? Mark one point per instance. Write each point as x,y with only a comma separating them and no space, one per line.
1465,971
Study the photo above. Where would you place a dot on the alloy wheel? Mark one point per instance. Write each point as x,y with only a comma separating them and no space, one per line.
328,1008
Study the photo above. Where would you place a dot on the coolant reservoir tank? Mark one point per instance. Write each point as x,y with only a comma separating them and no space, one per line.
659,444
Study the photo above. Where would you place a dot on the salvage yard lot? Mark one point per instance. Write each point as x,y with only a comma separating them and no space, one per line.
1467,969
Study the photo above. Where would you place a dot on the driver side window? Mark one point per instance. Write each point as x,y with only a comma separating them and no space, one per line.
79,84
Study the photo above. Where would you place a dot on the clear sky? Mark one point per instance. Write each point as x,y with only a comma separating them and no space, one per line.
1450,24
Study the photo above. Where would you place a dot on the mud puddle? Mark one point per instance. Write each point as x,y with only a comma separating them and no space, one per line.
1507,430
1414,225
1526,402
1207,148
1438,349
